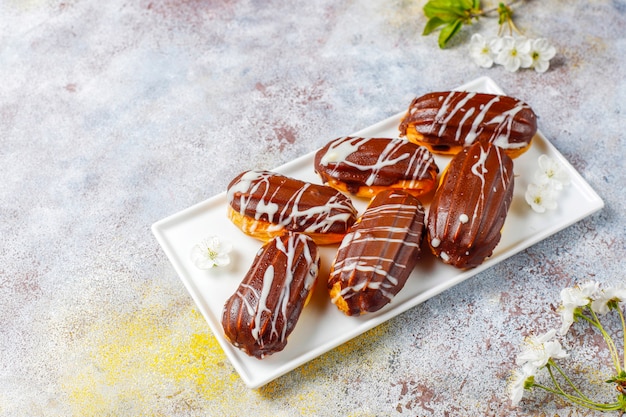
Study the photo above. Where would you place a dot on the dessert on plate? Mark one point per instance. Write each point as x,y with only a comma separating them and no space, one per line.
446,122
264,204
470,205
379,253
365,166
261,314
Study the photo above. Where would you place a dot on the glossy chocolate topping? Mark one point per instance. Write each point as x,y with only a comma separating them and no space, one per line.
453,118
291,204
470,205
377,256
359,162
259,317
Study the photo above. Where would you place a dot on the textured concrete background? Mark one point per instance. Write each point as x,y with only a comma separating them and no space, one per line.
116,114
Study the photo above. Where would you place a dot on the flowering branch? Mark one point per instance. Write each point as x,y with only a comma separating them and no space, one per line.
449,16
579,399
621,315
609,342
540,352
499,8
552,364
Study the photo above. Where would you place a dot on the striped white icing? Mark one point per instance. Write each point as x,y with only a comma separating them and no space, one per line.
254,187
479,169
259,309
378,267
339,150
501,123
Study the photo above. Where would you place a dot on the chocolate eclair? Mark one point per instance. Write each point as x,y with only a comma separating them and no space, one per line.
261,314
470,205
446,122
379,253
365,166
264,204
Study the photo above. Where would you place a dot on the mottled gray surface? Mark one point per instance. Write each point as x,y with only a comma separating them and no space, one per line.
116,114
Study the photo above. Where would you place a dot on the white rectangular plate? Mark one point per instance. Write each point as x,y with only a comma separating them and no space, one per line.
322,326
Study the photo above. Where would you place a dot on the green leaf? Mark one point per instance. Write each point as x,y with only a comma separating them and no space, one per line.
451,14
444,9
449,31
442,4
445,17
432,25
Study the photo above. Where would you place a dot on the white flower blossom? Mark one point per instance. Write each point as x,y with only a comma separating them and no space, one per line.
210,252
520,379
605,299
541,197
514,53
573,298
551,172
538,350
483,50
541,52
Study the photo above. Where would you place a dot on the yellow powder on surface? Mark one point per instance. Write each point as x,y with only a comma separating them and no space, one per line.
147,362
164,360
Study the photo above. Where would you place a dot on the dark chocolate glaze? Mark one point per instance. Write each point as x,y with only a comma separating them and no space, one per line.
452,118
259,317
377,256
470,205
289,203
360,162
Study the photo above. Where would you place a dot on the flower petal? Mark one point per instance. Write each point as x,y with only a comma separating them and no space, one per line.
540,197
538,350
210,252
520,379
481,51
607,299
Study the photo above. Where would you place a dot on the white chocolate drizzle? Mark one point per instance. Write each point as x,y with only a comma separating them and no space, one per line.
255,187
479,169
376,272
501,123
339,151
263,312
